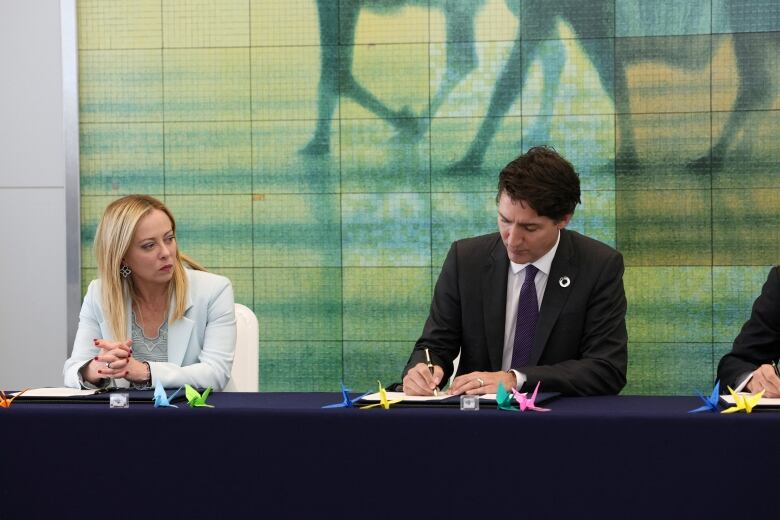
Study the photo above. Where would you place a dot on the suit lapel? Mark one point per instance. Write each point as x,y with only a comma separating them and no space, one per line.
564,266
494,280
179,333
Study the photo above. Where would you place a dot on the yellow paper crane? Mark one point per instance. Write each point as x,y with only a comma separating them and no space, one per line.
383,401
5,402
743,402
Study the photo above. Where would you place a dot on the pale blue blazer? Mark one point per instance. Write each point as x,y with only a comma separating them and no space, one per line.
200,344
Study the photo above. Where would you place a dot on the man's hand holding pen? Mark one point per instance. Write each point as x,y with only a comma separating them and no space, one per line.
420,381
765,378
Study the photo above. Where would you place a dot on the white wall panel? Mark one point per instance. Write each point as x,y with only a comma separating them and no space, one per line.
31,127
33,188
33,328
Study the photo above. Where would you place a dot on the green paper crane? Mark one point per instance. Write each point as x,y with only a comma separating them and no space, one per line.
504,399
194,397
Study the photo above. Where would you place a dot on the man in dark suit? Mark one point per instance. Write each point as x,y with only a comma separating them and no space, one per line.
533,302
757,346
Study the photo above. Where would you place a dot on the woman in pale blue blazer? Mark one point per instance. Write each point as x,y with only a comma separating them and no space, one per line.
148,318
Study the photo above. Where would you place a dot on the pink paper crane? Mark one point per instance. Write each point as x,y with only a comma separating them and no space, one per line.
527,403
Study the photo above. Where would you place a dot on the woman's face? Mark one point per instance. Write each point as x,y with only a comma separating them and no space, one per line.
152,250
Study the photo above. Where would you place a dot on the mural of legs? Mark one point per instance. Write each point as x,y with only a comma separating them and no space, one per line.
336,77
544,17
504,94
461,49
756,90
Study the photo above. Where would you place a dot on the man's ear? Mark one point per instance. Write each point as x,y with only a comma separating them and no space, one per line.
564,221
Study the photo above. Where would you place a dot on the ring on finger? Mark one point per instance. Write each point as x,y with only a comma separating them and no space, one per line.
480,381
108,365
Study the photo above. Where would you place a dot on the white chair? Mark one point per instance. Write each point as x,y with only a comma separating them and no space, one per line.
246,363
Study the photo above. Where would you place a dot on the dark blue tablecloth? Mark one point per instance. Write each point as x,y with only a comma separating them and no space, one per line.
282,456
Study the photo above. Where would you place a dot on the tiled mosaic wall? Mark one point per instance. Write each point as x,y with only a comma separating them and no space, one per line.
332,213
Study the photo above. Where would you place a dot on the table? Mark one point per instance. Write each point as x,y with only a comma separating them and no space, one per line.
279,455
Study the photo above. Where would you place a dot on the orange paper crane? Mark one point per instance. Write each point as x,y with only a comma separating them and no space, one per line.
5,402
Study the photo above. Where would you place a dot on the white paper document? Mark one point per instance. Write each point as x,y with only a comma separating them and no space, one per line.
57,392
392,396
764,401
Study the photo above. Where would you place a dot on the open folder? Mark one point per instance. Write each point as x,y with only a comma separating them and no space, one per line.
74,395
442,399
765,403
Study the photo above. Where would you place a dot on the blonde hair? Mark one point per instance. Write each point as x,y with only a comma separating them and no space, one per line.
113,239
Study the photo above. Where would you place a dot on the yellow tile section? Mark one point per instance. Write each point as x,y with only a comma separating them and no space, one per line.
390,22
140,27
207,84
120,86
206,23
285,22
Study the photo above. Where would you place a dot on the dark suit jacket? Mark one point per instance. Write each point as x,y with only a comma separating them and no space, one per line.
759,341
580,342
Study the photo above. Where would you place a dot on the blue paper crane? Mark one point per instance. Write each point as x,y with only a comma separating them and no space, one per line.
711,402
347,402
161,400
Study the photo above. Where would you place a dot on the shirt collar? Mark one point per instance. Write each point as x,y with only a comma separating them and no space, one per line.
544,264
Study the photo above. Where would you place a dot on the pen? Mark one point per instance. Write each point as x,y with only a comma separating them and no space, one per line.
430,367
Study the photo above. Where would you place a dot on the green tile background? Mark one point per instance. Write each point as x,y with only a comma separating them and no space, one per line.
277,167
121,158
243,283
688,367
686,312
299,304
385,303
305,366
734,288
665,227
214,229
386,229
297,230
118,86
366,362
208,104
207,84
208,158
662,17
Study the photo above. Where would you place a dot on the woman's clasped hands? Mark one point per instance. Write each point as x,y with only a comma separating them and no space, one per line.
115,360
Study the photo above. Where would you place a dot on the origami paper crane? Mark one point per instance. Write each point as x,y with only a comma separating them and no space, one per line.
527,403
383,401
5,402
743,402
161,400
711,402
195,399
504,399
347,402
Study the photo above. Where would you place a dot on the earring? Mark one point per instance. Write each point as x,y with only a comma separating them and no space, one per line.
125,271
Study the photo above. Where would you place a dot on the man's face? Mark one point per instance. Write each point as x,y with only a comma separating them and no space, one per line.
526,236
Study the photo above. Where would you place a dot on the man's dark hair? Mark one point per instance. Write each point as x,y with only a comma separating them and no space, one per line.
543,179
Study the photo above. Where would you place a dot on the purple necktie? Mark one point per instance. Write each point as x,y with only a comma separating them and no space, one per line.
527,315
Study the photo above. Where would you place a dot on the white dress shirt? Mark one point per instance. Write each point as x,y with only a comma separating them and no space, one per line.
513,285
